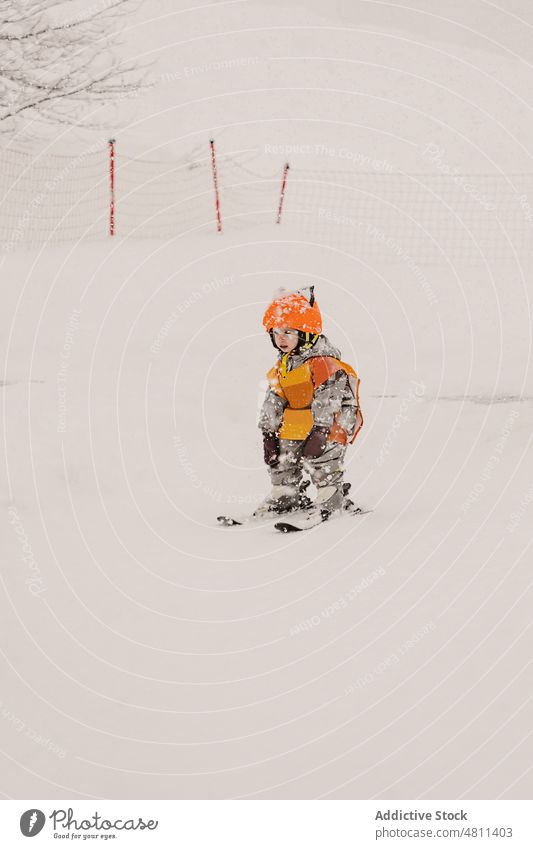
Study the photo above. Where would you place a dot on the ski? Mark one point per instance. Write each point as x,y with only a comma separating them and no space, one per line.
314,520
267,516
239,521
300,519
250,519
303,525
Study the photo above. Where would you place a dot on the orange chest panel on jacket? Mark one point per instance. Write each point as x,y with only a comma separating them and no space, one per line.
297,386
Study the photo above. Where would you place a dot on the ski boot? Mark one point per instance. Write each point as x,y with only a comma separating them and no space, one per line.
348,505
332,500
284,499
329,501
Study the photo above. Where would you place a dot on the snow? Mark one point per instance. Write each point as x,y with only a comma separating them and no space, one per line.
386,655
121,453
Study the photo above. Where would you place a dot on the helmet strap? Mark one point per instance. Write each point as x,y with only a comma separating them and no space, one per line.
307,340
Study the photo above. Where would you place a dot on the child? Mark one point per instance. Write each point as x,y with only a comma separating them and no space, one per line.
311,410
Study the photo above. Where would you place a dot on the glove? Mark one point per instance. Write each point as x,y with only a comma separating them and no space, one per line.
271,448
316,442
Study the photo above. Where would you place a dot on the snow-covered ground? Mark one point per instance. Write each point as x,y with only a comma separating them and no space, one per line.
150,653
368,657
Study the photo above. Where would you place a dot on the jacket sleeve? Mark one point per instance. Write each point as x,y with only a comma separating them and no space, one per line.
334,399
271,414
327,399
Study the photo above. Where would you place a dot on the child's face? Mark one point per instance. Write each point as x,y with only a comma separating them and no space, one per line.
286,339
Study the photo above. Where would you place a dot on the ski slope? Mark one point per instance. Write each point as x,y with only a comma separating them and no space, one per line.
146,651
170,657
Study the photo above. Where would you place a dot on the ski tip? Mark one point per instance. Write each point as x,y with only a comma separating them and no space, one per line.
286,528
360,511
227,521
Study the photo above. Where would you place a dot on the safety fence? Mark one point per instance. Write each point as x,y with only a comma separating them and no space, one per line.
103,193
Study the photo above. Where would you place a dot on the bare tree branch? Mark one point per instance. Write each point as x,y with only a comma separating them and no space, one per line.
51,63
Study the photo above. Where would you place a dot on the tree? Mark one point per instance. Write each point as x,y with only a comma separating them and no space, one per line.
54,63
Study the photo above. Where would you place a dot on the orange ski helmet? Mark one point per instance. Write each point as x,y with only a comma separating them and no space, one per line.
293,310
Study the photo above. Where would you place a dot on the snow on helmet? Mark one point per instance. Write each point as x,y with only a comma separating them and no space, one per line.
294,310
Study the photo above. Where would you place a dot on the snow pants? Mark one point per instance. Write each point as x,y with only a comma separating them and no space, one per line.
324,471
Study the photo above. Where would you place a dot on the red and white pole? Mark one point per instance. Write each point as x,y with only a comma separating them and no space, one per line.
282,195
111,187
215,182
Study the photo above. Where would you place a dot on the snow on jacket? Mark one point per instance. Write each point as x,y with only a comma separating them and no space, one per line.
334,400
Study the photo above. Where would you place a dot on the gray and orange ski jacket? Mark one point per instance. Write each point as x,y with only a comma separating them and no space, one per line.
312,387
